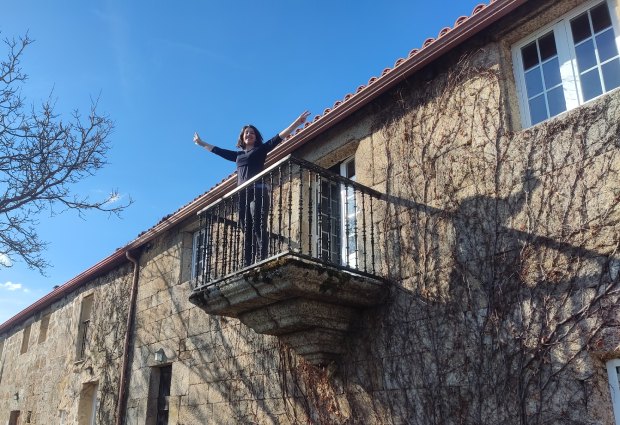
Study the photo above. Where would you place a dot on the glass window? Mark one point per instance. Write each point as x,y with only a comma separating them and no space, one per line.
336,223
595,44
570,63
543,81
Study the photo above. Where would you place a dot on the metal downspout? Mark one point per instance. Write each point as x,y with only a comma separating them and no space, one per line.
122,391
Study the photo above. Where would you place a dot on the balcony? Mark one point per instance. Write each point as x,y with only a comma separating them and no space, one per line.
292,253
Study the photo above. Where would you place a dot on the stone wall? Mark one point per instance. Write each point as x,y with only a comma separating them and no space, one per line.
497,244
500,244
49,377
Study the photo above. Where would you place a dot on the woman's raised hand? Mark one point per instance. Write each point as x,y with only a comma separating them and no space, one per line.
198,140
299,121
302,118
202,143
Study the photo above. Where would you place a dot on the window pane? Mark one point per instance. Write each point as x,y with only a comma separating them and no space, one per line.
547,46
533,82
591,84
600,17
530,56
557,103
611,74
551,72
606,45
580,27
586,58
350,169
538,109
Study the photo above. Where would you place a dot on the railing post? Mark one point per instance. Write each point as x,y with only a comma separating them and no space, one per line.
280,230
372,237
310,213
301,207
364,243
271,243
356,251
346,223
209,238
224,239
290,202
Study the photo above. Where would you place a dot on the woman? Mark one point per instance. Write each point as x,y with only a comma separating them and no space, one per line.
253,200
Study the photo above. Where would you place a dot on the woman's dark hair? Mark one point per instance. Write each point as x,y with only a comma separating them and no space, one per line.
259,137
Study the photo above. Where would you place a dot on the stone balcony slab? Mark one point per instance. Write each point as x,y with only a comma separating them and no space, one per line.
306,303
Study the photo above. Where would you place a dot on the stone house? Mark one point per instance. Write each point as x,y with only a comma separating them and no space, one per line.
440,247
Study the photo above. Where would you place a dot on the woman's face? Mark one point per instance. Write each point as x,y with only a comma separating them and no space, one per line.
249,137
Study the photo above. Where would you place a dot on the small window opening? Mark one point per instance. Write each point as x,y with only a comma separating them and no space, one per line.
25,340
45,322
84,327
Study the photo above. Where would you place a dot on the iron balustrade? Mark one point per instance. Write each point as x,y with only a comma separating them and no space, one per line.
293,206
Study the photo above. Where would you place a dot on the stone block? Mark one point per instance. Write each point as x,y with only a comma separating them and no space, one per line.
180,384
200,414
175,326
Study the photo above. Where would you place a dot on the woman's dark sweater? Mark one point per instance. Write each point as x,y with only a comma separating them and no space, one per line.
249,163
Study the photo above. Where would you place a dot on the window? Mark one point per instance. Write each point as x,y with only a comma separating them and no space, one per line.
87,407
337,217
45,322
84,327
568,63
159,395
14,417
613,372
25,339
199,252
163,396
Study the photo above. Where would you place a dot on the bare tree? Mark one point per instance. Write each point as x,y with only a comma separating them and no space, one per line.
41,158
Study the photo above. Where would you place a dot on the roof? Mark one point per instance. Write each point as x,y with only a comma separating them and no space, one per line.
448,38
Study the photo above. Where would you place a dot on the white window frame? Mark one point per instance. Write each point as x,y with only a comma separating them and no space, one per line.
614,387
346,259
350,258
566,56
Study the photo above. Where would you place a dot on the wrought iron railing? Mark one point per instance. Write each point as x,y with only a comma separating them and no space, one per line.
294,206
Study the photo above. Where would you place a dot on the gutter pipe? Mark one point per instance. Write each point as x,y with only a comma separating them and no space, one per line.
123,384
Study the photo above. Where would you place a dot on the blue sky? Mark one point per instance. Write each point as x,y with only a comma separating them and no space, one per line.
162,70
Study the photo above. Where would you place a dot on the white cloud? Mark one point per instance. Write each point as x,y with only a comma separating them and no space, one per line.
114,198
5,260
10,286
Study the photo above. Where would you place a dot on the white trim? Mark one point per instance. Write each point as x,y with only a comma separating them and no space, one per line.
350,259
614,387
566,56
